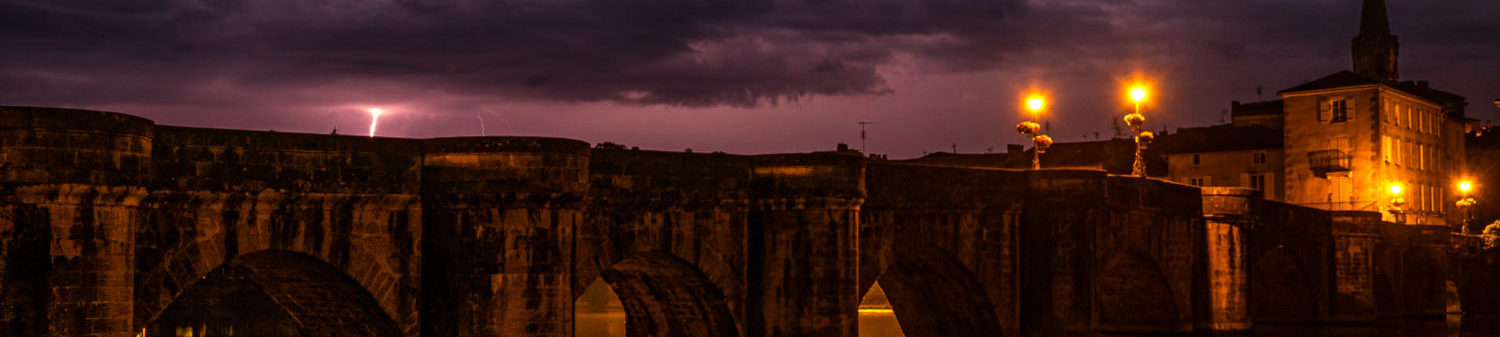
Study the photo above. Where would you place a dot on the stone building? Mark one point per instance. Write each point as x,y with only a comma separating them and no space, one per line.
1347,138
1337,143
1228,155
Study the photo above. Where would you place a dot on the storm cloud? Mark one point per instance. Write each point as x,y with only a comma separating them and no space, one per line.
298,64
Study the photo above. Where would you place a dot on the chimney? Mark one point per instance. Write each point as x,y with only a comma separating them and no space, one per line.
1422,84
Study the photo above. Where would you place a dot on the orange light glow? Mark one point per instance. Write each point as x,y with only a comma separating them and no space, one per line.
1138,89
1035,103
1465,186
1138,94
1396,189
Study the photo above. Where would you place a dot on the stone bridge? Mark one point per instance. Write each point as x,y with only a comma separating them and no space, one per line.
111,225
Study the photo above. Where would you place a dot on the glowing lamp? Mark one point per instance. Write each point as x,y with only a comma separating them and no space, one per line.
1396,189
1035,103
1138,94
1465,186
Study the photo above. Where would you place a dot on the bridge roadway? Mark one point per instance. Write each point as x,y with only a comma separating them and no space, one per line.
114,226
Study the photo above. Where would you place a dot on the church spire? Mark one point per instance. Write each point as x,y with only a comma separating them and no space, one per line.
1372,20
1375,48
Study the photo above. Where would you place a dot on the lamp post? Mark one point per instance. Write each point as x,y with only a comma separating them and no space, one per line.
1039,142
1396,203
1465,204
1142,138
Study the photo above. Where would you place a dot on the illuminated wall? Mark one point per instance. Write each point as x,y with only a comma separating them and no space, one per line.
1346,146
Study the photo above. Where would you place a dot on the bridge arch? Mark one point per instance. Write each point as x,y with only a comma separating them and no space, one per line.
274,293
1135,295
1282,289
665,296
933,294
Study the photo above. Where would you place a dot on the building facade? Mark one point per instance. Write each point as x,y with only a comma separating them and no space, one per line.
1228,155
1352,140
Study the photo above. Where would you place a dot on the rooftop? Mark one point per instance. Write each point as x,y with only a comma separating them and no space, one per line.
1349,79
1220,138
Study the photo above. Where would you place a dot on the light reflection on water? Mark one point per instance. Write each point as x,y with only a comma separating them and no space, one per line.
882,323
600,314
603,324
878,323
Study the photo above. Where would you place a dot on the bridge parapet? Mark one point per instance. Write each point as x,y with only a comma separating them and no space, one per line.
70,202
219,160
669,220
942,242
804,244
499,216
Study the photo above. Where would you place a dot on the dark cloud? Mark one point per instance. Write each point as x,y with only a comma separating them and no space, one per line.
289,64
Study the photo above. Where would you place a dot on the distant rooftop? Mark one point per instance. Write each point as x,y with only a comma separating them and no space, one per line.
1255,108
1112,155
1221,138
1348,79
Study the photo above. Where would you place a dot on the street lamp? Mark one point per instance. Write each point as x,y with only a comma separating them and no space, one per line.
1137,121
1465,203
1396,203
1039,142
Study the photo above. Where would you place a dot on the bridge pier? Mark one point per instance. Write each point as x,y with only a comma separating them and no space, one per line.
70,194
499,221
109,223
804,245
1223,281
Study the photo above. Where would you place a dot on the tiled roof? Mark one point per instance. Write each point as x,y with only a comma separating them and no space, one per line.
1255,108
1422,90
1337,80
1221,138
1348,79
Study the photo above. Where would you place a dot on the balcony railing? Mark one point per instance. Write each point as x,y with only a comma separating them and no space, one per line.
1326,161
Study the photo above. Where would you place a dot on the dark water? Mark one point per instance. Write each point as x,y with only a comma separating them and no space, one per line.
879,323
600,315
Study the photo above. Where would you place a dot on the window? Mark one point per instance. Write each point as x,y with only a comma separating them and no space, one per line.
1421,157
1259,158
1340,143
1336,111
1395,112
1198,181
1406,116
1385,110
1422,115
1195,159
1385,148
1258,182
1396,152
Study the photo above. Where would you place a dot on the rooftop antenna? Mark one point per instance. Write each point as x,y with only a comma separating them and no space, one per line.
862,147
1258,96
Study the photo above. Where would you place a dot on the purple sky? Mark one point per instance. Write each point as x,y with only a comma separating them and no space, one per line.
750,76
